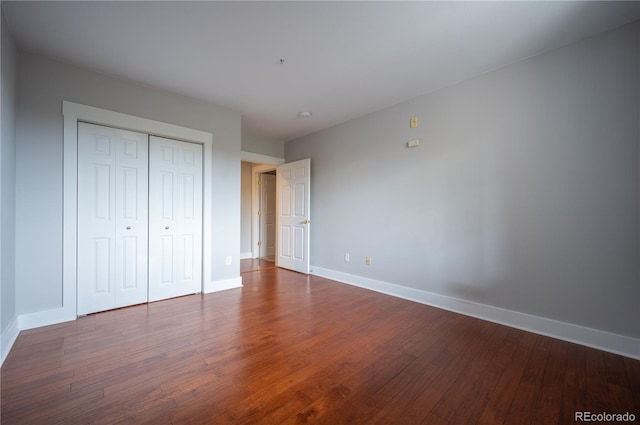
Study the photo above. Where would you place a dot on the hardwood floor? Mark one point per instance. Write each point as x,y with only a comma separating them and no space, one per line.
255,264
289,348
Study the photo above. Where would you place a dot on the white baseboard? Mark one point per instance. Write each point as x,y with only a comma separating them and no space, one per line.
59,315
30,321
606,341
8,339
246,255
224,284
46,318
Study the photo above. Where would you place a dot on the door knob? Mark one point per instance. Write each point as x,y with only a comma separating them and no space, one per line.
128,227
306,222
166,227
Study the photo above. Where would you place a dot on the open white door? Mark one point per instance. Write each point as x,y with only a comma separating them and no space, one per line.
293,182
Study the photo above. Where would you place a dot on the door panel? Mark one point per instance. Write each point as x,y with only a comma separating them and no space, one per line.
298,243
293,215
285,198
102,193
270,214
267,215
101,268
175,219
300,210
130,193
189,261
166,259
166,181
129,263
112,218
131,209
285,241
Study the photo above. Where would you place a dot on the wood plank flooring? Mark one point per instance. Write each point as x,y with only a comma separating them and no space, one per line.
255,264
292,349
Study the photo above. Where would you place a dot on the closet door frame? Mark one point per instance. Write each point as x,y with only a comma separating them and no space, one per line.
75,112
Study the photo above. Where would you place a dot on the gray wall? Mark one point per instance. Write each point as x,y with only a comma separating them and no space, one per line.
252,142
8,176
524,193
42,85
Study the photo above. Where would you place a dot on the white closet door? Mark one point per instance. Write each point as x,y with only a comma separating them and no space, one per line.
112,218
175,218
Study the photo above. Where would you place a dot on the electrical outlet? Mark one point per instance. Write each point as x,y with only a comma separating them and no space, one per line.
346,257
367,260
413,143
228,260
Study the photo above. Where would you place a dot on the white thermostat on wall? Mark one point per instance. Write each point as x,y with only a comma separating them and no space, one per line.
413,143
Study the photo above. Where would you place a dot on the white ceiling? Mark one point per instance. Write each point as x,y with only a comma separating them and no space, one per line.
342,59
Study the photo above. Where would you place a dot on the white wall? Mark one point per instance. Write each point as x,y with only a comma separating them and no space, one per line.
8,172
523,195
42,85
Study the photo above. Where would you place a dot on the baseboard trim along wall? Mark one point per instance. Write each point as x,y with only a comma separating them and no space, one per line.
8,338
45,318
614,343
30,321
606,341
246,255
222,285
59,315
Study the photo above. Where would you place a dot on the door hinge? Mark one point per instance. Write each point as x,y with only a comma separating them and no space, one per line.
259,243
259,182
259,213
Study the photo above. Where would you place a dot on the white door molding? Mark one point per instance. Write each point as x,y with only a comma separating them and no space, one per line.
258,158
74,112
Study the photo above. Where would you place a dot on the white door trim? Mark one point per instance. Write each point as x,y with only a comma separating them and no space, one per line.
74,112
258,158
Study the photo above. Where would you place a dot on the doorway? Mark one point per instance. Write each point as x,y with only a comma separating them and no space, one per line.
257,236
291,221
266,221
292,212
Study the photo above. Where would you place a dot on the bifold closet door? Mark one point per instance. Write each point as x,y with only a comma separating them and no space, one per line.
112,218
175,218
